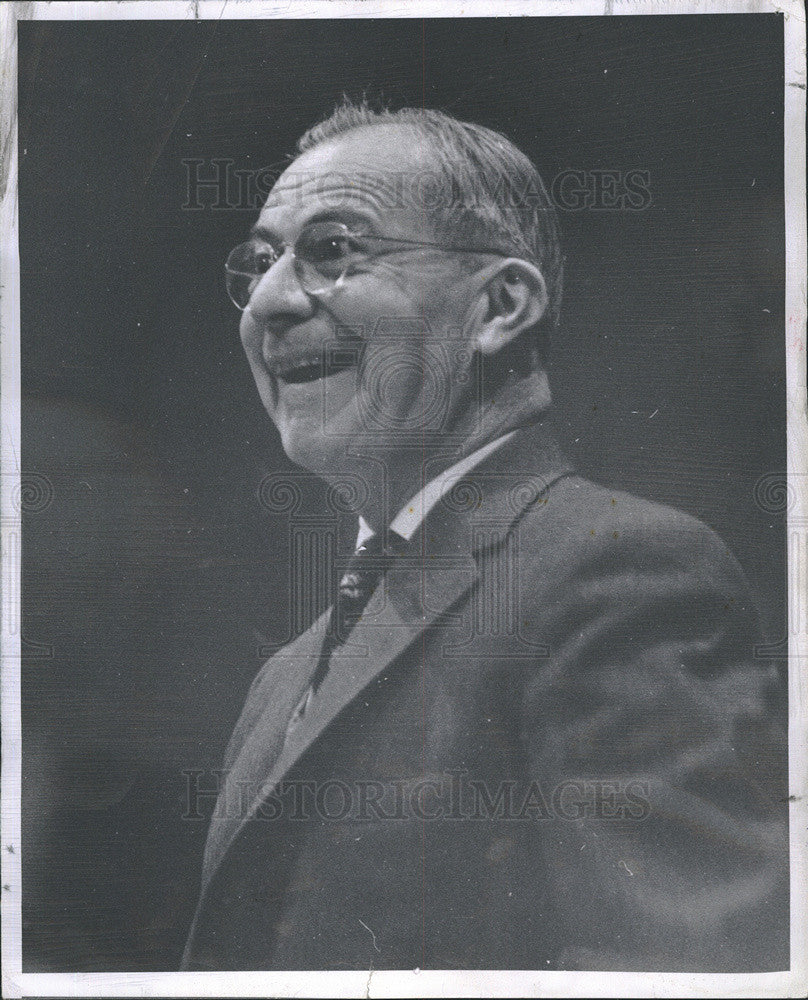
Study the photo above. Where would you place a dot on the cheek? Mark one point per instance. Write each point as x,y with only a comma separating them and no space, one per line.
405,390
252,343
395,293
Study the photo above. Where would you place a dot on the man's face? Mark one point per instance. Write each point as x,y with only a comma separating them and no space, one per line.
398,317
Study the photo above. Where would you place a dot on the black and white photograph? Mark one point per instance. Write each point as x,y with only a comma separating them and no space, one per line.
405,499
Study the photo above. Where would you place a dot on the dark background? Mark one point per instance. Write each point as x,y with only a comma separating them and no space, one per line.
151,570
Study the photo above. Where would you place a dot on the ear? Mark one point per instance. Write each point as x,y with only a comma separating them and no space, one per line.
513,299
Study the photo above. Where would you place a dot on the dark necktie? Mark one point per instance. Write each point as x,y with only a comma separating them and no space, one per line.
365,569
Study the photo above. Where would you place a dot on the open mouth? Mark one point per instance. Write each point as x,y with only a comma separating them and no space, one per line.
313,369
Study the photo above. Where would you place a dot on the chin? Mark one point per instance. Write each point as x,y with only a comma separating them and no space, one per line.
305,449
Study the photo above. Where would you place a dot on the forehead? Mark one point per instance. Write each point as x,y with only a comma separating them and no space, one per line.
381,172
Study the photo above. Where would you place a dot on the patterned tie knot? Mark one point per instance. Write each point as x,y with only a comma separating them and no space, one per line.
366,567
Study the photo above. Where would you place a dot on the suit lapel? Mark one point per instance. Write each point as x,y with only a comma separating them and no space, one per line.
416,594
279,688
406,604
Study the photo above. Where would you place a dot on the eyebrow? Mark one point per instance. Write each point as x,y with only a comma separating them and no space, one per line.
345,216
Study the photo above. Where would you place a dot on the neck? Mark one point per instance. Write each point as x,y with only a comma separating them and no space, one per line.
388,479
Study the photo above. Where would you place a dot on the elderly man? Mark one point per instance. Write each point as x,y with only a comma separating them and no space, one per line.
531,733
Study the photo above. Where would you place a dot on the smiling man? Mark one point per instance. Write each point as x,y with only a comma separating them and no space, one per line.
369,274
531,733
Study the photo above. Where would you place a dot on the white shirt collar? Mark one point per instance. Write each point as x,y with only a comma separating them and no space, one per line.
412,514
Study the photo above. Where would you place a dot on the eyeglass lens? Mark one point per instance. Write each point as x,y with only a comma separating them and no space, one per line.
322,254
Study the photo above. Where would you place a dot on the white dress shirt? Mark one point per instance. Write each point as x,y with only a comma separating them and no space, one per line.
414,513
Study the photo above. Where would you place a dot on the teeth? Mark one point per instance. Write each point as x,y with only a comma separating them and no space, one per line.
308,362
327,361
302,363
309,368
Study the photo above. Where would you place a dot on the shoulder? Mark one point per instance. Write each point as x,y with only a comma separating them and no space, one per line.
580,527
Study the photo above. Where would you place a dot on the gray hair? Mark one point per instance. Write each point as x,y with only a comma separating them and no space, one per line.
496,194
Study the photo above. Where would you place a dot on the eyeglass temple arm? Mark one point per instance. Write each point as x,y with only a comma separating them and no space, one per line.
438,246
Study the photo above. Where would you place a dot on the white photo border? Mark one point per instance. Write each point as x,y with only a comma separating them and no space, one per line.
414,983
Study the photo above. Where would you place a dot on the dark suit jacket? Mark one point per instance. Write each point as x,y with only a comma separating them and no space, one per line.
573,670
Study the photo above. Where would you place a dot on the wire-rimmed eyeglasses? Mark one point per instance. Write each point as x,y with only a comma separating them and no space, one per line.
324,255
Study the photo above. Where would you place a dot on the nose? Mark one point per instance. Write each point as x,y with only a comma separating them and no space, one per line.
279,299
